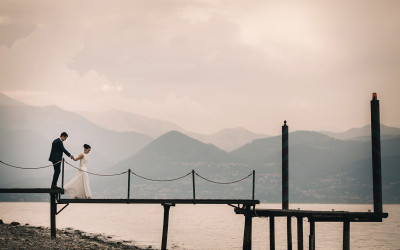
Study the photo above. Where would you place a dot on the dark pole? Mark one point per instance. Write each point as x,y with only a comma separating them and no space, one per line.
285,167
53,211
289,232
194,188
300,233
62,178
254,182
285,181
272,233
165,226
311,245
129,183
346,235
247,228
376,154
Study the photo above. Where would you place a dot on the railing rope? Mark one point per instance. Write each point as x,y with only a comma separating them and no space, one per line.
28,168
96,173
145,178
223,183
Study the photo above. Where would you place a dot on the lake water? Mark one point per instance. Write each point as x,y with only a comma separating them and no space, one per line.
205,226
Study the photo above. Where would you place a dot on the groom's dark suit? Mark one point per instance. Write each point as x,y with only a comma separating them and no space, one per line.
57,150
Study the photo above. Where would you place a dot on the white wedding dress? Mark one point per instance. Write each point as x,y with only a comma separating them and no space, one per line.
78,186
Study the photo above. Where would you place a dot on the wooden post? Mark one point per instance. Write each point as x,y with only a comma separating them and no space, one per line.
285,181
129,184
376,154
289,232
247,229
53,211
254,183
272,233
300,233
312,235
62,177
165,226
346,235
285,167
194,188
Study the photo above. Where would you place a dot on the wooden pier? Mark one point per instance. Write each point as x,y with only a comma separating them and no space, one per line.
248,207
313,216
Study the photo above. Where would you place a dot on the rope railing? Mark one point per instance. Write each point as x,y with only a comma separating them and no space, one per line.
28,168
129,171
223,183
178,178
96,173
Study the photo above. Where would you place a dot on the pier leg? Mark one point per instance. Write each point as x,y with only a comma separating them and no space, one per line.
300,233
247,229
312,235
165,226
346,235
53,211
272,233
376,155
289,233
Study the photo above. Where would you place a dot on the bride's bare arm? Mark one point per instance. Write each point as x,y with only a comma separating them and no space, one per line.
80,156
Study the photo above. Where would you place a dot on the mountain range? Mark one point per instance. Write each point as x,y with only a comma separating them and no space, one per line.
322,169
227,139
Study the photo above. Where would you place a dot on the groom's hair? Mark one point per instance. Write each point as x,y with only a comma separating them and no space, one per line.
64,134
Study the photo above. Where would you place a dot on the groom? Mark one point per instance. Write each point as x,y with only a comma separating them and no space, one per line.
57,150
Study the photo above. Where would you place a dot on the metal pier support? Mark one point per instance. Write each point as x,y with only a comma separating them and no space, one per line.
289,232
165,226
346,235
312,235
285,181
376,154
272,233
247,229
53,212
300,233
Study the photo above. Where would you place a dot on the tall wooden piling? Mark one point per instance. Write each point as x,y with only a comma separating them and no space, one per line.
165,226
376,154
285,181
272,233
247,228
285,167
300,233
346,235
312,235
53,211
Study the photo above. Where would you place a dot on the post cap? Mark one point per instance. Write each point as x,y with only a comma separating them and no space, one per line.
374,96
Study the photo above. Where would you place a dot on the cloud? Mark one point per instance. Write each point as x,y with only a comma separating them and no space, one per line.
92,82
205,64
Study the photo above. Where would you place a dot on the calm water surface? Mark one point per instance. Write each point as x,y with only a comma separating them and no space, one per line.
205,226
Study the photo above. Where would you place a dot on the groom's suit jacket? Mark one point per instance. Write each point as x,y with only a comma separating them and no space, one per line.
57,150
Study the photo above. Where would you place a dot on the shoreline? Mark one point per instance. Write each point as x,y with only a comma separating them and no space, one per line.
17,236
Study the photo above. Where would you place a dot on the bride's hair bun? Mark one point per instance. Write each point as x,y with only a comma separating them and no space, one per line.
86,146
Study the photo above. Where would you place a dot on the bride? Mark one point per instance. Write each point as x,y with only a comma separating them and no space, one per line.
78,186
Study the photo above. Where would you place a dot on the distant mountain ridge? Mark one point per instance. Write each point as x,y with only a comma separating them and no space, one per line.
120,121
226,139
363,133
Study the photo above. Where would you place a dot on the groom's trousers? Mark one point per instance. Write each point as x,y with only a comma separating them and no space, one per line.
57,170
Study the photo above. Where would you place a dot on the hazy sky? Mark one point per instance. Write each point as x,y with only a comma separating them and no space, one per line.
207,65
